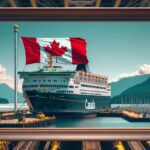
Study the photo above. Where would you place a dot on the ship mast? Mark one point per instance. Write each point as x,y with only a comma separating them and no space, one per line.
50,60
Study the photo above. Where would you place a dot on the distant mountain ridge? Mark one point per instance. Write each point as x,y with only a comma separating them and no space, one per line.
120,86
142,89
137,92
7,92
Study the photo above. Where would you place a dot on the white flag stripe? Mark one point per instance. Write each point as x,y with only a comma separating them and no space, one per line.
59,61
46,41
66,57
63,60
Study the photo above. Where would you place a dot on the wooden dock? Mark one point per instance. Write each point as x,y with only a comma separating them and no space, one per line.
27,122
127,114
132,114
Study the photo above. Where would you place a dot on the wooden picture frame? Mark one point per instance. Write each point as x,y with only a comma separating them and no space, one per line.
74,14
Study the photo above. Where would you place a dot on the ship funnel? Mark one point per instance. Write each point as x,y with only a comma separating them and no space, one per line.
83,68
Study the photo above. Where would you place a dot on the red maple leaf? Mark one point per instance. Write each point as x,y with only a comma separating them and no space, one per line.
55,50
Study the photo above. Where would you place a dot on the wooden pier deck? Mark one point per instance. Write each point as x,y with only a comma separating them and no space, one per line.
27,122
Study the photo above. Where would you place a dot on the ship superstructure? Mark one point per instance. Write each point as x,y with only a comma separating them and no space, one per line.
54,90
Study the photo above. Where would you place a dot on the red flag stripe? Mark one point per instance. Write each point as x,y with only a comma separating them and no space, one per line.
78,46
32,50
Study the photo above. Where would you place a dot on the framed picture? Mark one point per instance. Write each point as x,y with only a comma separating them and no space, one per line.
112,42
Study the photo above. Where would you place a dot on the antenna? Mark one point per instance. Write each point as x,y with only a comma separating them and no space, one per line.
50,60
88,68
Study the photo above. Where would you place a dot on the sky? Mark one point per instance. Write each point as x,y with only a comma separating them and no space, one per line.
114,49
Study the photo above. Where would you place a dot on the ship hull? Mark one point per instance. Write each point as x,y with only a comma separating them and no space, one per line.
66,104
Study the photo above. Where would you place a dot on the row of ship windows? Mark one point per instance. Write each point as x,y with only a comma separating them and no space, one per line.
64,86
46,80
59,74
91,86
60,86
90,91
94,91
93,79
64,91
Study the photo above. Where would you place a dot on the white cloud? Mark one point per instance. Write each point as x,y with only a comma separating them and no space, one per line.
4,78
144,69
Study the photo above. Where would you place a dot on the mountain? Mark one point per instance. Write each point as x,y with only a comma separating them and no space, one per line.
142,89
8,93
3,101
137,92
118,87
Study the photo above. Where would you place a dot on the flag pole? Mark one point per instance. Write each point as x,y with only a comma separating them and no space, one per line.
15,66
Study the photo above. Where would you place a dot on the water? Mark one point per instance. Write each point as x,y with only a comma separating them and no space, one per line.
10,106
98,122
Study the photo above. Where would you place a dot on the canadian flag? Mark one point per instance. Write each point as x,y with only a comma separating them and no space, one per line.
66,50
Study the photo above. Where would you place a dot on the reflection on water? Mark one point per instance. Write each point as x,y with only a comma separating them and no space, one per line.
99,122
